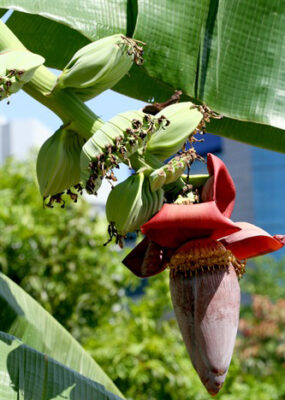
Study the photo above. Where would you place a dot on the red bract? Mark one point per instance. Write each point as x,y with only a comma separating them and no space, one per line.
203,249
175,225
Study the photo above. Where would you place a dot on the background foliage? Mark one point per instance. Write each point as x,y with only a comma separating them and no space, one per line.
128,325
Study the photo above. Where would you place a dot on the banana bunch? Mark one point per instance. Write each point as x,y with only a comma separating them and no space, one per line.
99,65
118,139
184,119
169,173
173,170
17,67
131,203
115,142
58,162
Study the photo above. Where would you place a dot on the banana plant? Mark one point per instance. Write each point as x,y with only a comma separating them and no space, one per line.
191,234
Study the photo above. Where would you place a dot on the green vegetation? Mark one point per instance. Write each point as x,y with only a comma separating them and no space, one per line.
57,255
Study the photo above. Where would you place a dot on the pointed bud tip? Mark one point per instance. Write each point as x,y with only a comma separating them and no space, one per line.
214,383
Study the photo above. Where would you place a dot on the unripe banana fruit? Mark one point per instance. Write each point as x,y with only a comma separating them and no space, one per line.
124,204
17,67
184,119
58,163
131,203
169,173
99,65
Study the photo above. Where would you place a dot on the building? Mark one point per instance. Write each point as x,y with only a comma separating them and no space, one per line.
18,137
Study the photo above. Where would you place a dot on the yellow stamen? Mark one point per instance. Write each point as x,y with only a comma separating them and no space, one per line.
204,255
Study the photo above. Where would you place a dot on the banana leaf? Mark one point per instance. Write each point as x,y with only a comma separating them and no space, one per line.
23,317
31,375
226,54
2,12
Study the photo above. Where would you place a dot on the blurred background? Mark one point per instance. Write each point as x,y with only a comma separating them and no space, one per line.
57,255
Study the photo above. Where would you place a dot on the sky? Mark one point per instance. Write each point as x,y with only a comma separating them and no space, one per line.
106,105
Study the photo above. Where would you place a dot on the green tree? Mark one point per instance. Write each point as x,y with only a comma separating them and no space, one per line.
57,254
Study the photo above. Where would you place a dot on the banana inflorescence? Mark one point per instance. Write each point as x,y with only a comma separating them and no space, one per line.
17,67
203,273
100,65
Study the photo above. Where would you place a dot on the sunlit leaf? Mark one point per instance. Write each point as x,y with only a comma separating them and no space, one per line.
29,374
23,317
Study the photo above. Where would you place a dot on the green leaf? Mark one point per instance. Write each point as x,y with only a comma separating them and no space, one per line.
2,12
23,317
62,41
92,19
32,375
264,136
228,55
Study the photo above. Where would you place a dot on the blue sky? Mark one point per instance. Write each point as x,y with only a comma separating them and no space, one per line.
106,105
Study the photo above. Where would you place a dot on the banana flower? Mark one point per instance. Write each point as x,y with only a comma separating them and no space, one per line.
206,253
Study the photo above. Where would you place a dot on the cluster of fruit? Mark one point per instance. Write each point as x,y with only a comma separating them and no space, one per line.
17,67
140,139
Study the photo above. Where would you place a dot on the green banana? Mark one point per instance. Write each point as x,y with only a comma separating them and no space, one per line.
17,67
183,120
157,179
171,171
153,201
158,199
124,204
147,205
99,65
174,169
132,203
58,166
